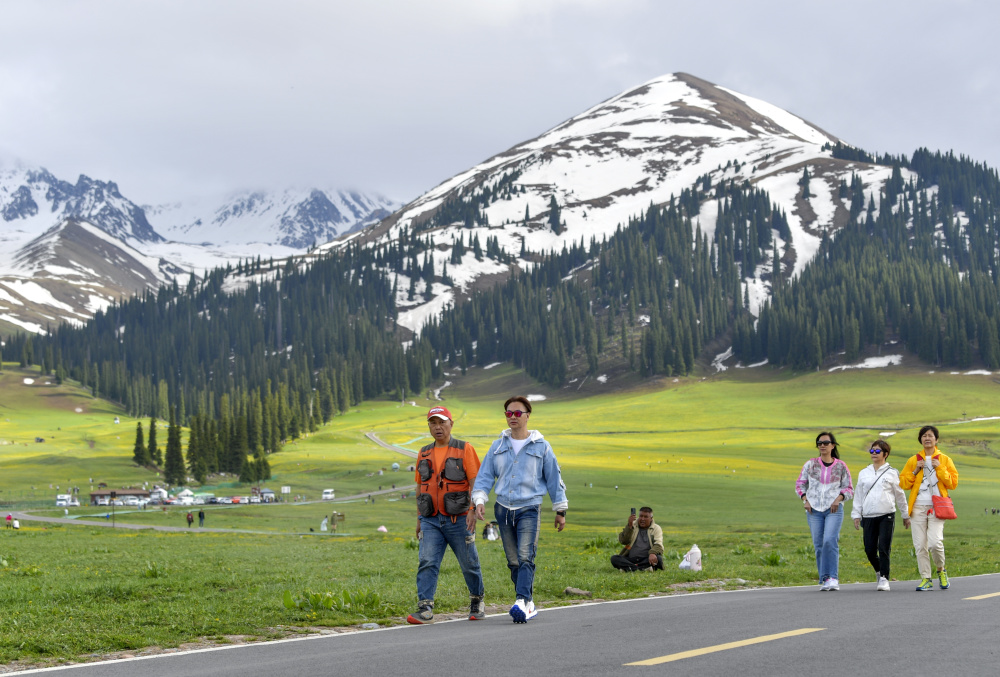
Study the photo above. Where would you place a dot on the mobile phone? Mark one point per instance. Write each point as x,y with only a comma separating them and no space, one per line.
633,511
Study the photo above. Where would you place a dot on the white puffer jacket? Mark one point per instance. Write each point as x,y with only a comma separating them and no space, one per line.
878,493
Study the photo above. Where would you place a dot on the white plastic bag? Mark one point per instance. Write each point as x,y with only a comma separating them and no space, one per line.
692,559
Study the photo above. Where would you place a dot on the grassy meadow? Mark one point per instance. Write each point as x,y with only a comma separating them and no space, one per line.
716,458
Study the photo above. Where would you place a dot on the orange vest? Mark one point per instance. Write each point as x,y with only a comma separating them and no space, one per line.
443,490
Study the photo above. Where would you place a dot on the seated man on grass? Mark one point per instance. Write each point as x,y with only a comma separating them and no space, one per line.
643,541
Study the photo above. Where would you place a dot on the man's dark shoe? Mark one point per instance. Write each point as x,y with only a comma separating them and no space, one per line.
477,609
423,614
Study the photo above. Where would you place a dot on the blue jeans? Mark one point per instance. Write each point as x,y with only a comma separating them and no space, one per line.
439,532
519,534
825,528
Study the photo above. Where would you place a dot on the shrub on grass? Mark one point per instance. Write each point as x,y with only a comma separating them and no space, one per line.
154,570
773,559
599,543
362,602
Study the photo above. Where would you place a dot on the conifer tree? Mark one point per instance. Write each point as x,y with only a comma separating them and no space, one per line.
140,455
173,471
155,454
555,218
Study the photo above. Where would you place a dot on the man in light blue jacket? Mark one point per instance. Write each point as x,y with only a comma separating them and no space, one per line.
523,469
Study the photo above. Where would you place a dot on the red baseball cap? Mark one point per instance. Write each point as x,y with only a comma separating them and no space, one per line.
439,412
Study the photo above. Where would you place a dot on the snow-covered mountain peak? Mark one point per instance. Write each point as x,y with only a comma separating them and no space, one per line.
294,217
588,175
32,200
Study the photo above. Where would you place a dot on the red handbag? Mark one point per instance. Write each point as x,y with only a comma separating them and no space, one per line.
944,509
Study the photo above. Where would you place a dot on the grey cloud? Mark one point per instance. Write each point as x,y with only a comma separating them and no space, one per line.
178,98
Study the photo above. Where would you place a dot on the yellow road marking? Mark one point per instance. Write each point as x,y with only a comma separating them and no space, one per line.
992,594
722,647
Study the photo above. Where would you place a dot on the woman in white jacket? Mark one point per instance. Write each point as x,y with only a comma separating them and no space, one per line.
876,497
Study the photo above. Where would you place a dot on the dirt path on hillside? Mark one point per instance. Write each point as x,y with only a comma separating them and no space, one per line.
391,447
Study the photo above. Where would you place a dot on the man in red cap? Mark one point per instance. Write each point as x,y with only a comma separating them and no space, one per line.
446,471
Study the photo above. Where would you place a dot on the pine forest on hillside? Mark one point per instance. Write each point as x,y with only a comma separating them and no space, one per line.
247,370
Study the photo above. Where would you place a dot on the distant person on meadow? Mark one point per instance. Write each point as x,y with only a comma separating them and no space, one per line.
10,520
201,517
190,519
876,497
523,467
823,484
445,472
928,474
643,541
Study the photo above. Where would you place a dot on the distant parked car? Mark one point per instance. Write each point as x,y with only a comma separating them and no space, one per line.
328,495
224,499
118,502
131,500
235,499
103,500
74,503
255,499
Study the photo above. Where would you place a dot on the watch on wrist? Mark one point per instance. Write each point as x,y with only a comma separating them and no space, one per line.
561,513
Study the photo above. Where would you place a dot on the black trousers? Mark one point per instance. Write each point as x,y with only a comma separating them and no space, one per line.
877,532
635,563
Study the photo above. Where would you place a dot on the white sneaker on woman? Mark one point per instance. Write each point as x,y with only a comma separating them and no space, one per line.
832,584
883,584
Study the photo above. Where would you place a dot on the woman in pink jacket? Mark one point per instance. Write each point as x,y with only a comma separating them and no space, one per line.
823,484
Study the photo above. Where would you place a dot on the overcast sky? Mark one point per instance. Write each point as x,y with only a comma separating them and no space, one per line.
174,99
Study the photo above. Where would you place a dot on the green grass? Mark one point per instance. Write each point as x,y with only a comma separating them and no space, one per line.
716,459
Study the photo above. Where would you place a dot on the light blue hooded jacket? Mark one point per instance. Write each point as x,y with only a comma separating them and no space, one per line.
522,481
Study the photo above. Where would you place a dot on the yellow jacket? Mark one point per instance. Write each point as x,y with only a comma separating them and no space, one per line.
946,474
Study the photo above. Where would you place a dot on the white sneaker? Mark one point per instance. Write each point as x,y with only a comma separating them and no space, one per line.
883,584
832,584
825,585
519,612
529,611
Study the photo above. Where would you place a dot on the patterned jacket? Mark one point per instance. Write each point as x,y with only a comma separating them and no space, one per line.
821,485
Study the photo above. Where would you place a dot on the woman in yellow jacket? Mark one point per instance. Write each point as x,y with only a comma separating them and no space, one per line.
929,473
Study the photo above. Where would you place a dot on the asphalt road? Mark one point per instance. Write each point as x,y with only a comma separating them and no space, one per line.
861,632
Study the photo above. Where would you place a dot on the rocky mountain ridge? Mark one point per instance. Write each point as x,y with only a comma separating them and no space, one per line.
70,249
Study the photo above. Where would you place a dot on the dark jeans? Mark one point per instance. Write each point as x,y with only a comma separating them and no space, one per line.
626,563
877,533
439,533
